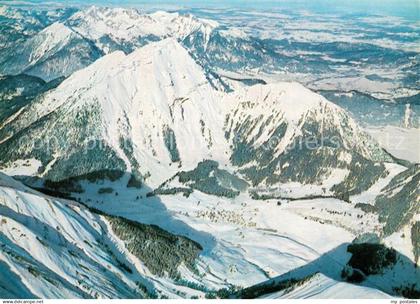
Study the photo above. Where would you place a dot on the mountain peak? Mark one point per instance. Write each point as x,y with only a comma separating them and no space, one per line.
164,45
165,61
129,24
151,96
292,98
90,33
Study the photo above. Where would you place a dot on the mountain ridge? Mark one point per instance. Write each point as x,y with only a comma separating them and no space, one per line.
155,107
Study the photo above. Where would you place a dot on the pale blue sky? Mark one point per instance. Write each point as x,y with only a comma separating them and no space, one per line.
402,8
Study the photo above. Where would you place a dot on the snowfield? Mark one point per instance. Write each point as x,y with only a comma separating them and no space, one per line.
322,287
401,142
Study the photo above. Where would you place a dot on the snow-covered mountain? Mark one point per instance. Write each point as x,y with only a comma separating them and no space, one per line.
152,120
52,248
154,113
47,249
240,44
127,29
59,248
53,52
88,34
162,111
286,133
19,24
171,185
67,46
24,38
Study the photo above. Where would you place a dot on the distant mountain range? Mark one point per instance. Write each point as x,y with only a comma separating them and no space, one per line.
57,43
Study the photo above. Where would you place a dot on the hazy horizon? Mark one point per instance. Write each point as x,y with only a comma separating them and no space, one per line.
407,9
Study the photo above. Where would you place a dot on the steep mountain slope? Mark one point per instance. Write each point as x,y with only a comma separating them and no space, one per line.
54,248
282,133
230,49
18,24
394,200
96,31
53,52
399,201
367,263
141,112
320,286
18,91
46,239
64,47
154,111
263,48
153,117
127,29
